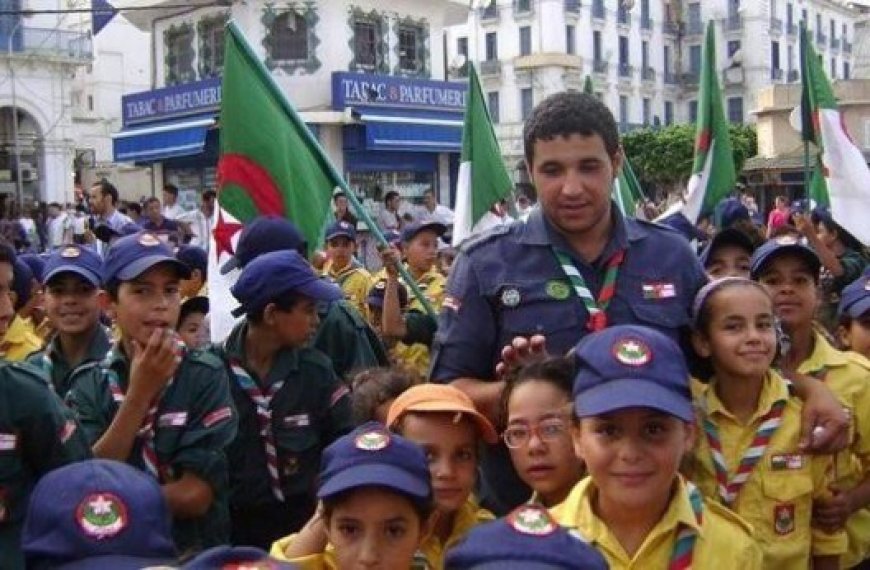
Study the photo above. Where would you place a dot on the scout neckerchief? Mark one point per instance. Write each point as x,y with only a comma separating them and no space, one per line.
146,430
684,546
262,400
597,309
345,273
729,489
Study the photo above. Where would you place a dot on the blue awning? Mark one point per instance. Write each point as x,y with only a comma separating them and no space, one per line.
412,134
162,140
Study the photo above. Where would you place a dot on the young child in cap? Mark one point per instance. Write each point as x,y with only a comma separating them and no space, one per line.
236,558
98,514
153,404
748,457
536,407
727,254
406,334
343,267
196,258
443,421
376,499
526,539
634,422
789,270
34,311
291,405
73,302
853,314
20,339
193,326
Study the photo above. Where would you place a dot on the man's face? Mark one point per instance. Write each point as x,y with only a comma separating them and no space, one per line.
168,198
97,200
573,176
208,205
429,200
152,210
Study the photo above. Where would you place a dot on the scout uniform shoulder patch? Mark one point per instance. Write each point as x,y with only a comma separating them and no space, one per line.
558,290
102,515
632,352
372,441
532,520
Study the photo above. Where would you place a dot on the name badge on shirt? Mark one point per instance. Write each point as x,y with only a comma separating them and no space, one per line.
299,420
172,419
659,290
8,441
787,462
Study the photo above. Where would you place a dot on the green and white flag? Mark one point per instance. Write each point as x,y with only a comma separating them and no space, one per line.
627,192
483,178
841,178
713,174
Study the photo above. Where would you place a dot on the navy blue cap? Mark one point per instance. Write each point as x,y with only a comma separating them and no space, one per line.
194,256
772,248
341,229
800,206
372,456
686,228
528,539
855,298
97,514
375,297
36,263
410,231
629,366
728,236
132,255
105,233
263,235
235,557
273,274
730,211
82,261
393,237
22,282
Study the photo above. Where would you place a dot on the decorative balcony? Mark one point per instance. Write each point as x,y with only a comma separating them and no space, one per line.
50,43
599,66
490,68
793,76
626,70
670,28
776,75
847,46
835,44
598,11
572,6
623,17
671,78
695,28
776,25
791,29
648,74
489,13
821,39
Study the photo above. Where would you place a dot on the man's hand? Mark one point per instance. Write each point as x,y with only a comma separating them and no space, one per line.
830,514
804,225
519,352
153,365
825,424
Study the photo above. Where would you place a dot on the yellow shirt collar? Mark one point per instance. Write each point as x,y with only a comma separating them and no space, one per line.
824,356
774,389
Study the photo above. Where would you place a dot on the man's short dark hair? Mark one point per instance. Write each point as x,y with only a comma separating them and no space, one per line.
151,200
55,205
568,113
171,188
338,195
135,207
108,189
209,195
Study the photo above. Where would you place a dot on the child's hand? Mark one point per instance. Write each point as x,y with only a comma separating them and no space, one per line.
153,365
830,513
391,258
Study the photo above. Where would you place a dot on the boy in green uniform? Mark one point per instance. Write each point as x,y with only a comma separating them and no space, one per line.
72,302
155,405
35,435
290,402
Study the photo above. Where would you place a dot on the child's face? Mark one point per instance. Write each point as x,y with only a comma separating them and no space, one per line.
149,302
793,289
374,528
451,449
740,338
72,303
298,325
857,335
341,250
7,311
633,456
546,461
190,330
422,251
728,261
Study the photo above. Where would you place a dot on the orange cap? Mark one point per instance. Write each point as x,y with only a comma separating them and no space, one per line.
439,398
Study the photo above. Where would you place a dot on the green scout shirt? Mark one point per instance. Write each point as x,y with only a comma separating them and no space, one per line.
348,340
36,436
853,263
195,421
420,328
310,411
52,360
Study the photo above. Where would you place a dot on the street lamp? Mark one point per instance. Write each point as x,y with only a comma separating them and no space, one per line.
19,189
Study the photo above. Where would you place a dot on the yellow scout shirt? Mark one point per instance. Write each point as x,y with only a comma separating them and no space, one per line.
20,340
724,540
777,499
431,548
355,281
415,357
847,374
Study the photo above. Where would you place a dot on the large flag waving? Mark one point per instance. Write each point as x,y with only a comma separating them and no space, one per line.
627,192
841,179
483,179
713,175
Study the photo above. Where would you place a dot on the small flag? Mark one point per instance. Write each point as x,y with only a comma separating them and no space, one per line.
101,14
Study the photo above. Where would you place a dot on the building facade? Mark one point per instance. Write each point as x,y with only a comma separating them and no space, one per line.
368,80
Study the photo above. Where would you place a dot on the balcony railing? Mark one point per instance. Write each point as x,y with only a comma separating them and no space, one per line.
626,70
695,28
623,17
793,76
572,6
522,6
646,24
489,12
791,29
821,39
671,78
835,44
776,25
648,74
599,66
490,67
691,78
670,28
776,75
598,12
734,22
49,42
847,46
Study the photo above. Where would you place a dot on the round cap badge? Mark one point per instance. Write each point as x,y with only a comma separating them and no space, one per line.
786,240
102,515
372,441
632,352
510,297
532,520
148,240
69,252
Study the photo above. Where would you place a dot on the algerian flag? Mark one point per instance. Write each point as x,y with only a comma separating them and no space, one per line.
713,175
841,178
627,192
483,179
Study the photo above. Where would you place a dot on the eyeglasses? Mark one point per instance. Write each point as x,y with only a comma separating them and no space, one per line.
547,430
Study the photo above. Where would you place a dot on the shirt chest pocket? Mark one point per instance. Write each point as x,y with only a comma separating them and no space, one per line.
299,451
788,501
545,307
656,302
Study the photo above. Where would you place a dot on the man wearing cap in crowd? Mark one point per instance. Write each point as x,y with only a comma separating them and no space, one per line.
36,434
154,404
290,402
343,267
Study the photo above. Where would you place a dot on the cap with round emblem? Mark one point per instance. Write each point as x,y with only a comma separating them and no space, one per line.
131,256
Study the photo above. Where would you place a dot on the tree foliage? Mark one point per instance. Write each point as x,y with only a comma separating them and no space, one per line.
663,157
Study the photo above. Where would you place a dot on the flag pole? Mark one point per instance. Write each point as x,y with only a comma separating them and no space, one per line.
327,164
803,56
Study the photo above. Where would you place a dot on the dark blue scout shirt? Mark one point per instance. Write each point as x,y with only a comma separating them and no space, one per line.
36,436
509,283
51,360
310,411
347,339
196,420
